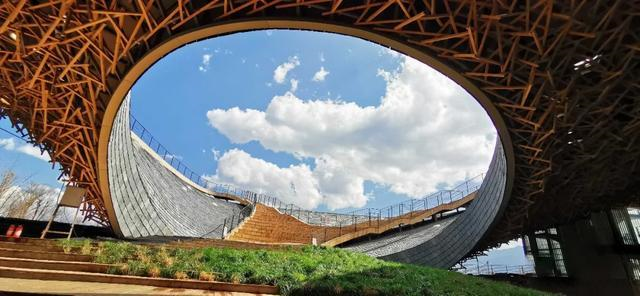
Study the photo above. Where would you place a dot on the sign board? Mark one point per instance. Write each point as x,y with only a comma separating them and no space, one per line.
72,196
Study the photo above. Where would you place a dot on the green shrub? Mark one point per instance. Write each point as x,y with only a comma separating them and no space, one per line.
303,271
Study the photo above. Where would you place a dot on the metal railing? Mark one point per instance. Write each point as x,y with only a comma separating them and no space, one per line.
386,217
176,163
341,220
374,214
232,222
491,269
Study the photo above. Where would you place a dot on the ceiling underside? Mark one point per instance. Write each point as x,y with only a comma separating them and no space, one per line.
563,75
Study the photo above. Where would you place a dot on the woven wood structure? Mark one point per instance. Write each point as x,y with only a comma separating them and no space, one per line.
560,79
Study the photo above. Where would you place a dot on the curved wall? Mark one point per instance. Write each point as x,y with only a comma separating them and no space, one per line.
148,199
203,31
460,237
151,200
400,240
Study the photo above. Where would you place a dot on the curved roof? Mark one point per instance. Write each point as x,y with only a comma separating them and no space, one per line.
559,79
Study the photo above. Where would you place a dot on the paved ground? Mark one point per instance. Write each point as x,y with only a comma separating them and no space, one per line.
11,285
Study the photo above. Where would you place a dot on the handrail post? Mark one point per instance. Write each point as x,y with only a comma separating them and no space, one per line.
411,209
355,223
224,227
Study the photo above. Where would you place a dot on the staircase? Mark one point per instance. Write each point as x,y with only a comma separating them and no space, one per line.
269,226
29,259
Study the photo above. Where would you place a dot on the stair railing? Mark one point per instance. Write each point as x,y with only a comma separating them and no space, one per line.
345,220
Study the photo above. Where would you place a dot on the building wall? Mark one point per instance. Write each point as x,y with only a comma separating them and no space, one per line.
150,200
461,236
595,256
594,264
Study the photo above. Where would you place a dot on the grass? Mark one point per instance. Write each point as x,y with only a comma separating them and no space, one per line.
306,271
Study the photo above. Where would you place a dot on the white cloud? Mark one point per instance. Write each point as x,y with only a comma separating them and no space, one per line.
516,243
216,154
294,85
292,184
172,156
390,52
426,131
204,65
280,73
9,144
320,75
28,149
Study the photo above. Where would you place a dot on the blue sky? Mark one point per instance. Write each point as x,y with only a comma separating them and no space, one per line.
172,97
24,159
325,121
229,105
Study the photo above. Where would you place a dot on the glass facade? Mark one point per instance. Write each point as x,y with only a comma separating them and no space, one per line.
544,249
626,222
633,265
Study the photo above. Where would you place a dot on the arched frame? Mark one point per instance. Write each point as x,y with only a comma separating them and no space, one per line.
562,75
147,61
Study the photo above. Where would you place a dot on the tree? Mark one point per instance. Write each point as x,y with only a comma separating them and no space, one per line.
7,188
35,202
45,201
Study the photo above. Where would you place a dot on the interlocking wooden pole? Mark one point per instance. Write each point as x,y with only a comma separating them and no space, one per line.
562,75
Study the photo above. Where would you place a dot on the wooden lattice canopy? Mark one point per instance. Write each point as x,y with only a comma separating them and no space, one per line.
561,80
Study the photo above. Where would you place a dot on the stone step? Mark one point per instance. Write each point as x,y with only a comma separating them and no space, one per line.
30,246
29,241
54,265
42,255
41,274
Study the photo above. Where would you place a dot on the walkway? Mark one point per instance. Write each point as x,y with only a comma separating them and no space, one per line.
14,285
268,225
